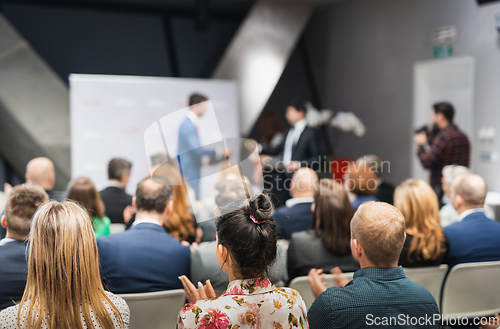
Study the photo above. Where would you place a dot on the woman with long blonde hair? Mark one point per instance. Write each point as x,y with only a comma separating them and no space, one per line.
64,288
425,243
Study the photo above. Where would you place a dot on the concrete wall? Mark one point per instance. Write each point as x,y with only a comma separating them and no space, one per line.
362,54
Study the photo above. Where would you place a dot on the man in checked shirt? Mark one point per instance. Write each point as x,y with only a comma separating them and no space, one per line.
449,146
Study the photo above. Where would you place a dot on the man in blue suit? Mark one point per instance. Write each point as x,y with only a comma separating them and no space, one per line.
145,258
296,215
21,205
189,148
475,237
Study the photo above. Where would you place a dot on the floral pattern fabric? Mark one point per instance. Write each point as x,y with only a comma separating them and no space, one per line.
251,303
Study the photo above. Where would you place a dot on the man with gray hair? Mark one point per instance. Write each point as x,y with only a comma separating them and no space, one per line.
114,196
475,237
385,190
447,213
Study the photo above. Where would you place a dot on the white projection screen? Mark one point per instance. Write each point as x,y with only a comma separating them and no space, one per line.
110,114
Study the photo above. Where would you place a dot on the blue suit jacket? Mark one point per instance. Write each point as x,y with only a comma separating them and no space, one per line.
13,272
475,239
144,258
292,219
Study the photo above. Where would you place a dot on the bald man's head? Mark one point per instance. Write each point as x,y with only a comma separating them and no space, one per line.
304,183
380,230
153,197
468,190
40,171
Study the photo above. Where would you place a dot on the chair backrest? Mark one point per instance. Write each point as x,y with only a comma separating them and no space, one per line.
472,290
301,284
155,310
431,278
116,228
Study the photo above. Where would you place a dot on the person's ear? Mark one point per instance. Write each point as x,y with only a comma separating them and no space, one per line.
358,249
169,208
4,221
404,240
134,202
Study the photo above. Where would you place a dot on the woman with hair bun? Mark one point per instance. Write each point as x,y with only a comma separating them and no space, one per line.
246,247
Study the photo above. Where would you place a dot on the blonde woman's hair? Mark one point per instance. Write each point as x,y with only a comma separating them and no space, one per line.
419,205
64,282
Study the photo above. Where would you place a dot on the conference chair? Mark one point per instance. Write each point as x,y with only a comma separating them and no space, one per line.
155,310
302,286
431,278
116,228
472,290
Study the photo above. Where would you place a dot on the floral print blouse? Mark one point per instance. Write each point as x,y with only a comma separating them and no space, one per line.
250,303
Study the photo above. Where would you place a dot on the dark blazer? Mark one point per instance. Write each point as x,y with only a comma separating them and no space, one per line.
403,257
13,272
144,258
292,219
306,251
115,200
474,239
385,192
306,150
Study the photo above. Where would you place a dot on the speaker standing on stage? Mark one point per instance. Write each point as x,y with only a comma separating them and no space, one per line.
449,146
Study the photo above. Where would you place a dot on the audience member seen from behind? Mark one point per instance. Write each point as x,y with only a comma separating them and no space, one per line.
246,247
380,289
145,258
114,196
64,289
40,171
83,191
327,244
180,224
362,183
449,215
21,205
385,190
296,215
204,264
425,243
475,237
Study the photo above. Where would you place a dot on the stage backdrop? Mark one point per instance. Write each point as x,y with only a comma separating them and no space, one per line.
110,114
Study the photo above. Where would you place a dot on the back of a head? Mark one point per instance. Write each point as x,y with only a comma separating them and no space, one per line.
452,171
40,171
83,191
380,230
21,205
248,231
117,167
446,109
305,181
332,216
63,268
362,180
231,190
373,162
153,197
196,99
471,187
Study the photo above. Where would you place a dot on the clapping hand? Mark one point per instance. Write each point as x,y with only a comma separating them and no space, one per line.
193,293
317,283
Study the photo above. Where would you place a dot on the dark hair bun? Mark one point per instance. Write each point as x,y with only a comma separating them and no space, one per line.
261,207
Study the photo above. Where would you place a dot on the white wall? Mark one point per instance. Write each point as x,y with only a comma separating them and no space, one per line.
362,54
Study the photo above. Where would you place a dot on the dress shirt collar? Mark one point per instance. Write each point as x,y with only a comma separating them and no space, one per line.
468,212
295,201
4,241
148,221
249,287
381,274
194,118
299,126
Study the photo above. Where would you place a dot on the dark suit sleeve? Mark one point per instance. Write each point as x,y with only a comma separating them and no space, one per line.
315,149
292,260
